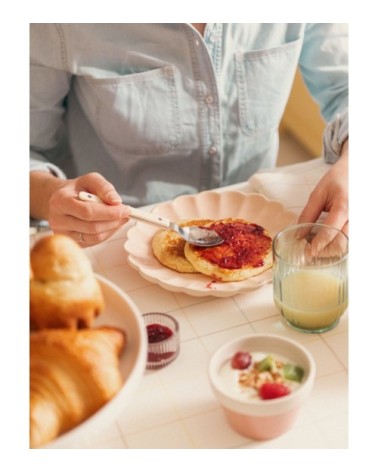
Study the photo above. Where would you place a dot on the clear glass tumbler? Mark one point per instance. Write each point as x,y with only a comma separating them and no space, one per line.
310,276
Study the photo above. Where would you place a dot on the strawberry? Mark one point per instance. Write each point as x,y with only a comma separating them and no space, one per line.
268,391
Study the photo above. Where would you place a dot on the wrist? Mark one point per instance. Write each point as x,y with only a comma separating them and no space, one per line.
42,185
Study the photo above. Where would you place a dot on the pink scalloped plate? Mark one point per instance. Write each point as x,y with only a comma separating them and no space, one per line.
210,204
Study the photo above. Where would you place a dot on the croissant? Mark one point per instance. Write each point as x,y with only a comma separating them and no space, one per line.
72,374
64,292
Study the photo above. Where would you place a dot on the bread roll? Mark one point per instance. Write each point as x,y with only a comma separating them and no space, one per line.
64,292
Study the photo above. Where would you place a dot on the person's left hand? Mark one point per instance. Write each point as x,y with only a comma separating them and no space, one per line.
330,195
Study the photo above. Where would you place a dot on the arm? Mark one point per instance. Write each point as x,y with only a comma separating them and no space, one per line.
324,65
52,196
50,82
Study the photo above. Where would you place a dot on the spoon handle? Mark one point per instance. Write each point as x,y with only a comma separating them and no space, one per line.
89,197
149,218
134,213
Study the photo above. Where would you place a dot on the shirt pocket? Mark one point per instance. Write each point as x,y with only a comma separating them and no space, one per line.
264,80
136,113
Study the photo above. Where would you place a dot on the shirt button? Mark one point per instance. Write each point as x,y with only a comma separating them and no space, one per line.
209,99
212,150
197,42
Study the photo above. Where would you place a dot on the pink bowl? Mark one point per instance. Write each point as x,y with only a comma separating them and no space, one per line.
265,419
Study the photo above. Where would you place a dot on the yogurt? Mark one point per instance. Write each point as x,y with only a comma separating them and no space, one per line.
246,384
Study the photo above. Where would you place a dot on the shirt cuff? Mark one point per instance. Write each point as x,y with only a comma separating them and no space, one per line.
46,167
334,135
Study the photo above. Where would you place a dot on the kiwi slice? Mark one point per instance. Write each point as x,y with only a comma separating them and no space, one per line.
293,372
266,364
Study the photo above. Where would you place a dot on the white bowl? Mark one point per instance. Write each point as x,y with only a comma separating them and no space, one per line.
120,311
265,419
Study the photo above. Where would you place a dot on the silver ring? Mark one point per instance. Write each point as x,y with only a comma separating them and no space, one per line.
81,239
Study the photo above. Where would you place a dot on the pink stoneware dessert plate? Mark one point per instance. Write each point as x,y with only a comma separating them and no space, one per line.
214,205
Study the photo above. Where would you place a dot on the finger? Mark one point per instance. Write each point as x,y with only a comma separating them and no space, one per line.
322,241
97,184
88,240
312,210
336,247
337,216
96,212
74,224
345,228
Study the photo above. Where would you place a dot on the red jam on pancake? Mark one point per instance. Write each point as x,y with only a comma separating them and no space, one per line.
245,252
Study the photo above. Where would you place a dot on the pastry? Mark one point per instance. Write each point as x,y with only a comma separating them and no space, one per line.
73,373
64,292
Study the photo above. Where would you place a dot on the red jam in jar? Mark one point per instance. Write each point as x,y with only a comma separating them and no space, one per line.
163,339
157,332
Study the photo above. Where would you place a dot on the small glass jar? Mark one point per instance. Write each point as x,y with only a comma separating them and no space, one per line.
163,334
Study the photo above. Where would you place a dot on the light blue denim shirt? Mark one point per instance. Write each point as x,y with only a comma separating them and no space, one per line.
161,111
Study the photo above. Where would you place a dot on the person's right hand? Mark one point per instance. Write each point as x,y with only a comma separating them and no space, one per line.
86,223
331,196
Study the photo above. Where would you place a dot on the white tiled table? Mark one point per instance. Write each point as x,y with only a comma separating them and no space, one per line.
174,407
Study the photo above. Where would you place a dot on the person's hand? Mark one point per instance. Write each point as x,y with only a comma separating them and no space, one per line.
87,223
330,195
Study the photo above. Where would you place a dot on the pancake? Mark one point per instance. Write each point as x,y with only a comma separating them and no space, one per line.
245,252
168,247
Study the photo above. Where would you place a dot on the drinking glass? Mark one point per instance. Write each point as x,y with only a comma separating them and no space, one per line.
310,276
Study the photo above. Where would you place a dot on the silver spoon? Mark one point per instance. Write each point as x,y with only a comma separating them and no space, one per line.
192,234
